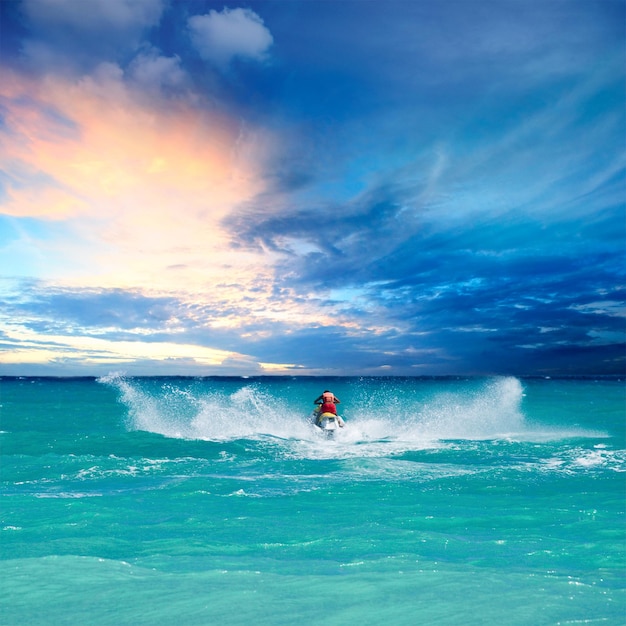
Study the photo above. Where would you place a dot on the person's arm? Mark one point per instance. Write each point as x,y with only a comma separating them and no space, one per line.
318,400
337,400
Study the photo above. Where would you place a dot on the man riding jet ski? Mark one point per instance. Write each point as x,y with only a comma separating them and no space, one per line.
326,412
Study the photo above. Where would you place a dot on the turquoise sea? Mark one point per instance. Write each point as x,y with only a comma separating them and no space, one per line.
200,501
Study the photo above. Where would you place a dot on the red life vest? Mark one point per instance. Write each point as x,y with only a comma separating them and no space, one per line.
328,407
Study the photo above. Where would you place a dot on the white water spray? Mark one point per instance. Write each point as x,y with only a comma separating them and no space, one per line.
211,415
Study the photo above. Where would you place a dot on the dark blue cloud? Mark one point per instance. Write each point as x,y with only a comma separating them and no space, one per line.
504,286
493,325
66,308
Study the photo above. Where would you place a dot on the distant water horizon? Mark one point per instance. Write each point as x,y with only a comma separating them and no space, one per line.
123,374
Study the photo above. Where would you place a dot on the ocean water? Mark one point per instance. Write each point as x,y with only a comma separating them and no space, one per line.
200,501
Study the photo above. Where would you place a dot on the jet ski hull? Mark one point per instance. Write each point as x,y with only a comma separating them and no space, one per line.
328,423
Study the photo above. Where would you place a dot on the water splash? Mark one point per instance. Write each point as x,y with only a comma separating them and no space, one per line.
415,417
480,410
489,412
194,413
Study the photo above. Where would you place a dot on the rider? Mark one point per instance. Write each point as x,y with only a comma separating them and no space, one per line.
327,404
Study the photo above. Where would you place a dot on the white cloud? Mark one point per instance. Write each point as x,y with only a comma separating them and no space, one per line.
153,71
220,37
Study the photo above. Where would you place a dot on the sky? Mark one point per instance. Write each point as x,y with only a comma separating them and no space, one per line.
312,187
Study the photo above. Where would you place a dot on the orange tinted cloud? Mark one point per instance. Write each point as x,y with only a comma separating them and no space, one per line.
144,181
97,139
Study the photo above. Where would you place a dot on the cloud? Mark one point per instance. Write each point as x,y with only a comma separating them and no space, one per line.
152,71
46,323
78,35
95,15
137,179
233,33
488,278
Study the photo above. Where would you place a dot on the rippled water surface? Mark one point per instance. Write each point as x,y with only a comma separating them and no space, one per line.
181,500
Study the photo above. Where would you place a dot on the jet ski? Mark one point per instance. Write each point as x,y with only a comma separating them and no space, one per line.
328,423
